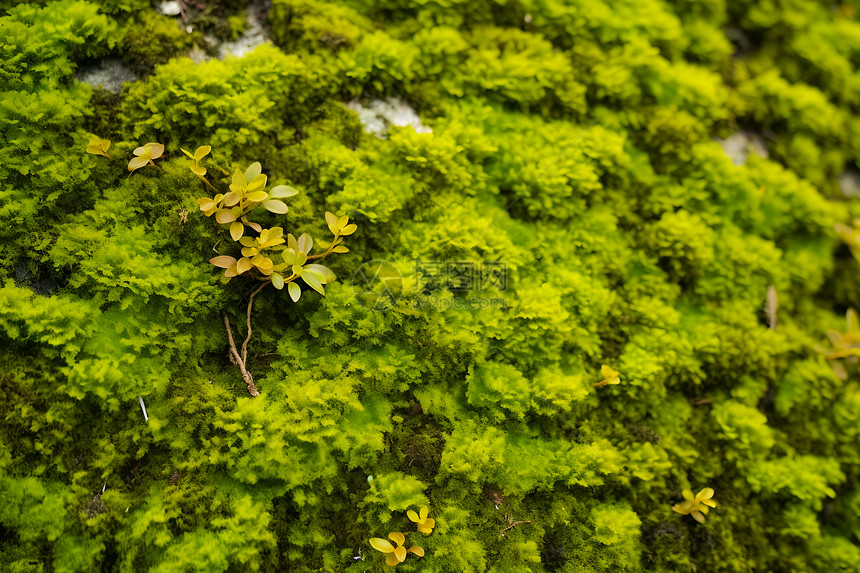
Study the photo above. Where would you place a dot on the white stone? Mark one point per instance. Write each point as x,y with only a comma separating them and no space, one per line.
379,114
252,37
170,8
849,183
738,146
109,73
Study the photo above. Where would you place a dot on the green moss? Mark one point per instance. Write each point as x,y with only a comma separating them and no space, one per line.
568,210
150,39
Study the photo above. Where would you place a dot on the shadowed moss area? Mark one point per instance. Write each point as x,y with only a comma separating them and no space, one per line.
566,310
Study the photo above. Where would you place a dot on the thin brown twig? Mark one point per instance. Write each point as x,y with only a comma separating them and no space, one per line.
248,337
182,11
511,526
249,380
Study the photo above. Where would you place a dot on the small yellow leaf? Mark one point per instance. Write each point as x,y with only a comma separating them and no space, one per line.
155,150
295,293
261,262
243,265
325,275
237,229
253,172
198,171
349,229
275,206
238,180
137,163
277,281
312,281
231,199
381,545
224,216
257,196
340,249
223,261
205,203
257,184
416,550
282,192
202,152
331,220
305,243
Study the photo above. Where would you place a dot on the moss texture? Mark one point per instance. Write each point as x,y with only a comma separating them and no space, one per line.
571,149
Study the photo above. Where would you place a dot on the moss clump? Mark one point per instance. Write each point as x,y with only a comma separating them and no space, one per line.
150,39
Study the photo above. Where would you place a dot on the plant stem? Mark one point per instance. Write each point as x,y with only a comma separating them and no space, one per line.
249,380
331,247
511,526
209,185
250,306
182,11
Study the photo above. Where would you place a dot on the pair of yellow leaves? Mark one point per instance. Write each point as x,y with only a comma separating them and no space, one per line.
144,155
99,146
610,376
198,154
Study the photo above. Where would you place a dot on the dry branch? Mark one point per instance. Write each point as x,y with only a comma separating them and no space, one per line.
249,380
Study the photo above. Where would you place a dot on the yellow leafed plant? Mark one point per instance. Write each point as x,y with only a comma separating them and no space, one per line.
395,553
697,506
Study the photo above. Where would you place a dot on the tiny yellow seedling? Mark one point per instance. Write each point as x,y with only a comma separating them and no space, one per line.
198,154
425,524
846,343
696,506
610,376
145,155
396,553
99,146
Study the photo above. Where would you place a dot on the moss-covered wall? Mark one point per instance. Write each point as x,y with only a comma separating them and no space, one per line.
572,147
